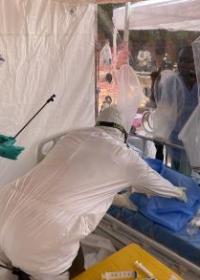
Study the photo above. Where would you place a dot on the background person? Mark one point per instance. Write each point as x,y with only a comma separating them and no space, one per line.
177,94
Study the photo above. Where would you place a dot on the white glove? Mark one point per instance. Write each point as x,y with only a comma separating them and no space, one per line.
183,195
122,200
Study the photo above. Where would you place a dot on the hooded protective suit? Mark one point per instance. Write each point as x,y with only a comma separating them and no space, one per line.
45,214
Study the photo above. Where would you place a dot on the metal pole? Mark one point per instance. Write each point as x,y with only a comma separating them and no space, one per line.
126,23
126,26
51,99
115,32
96,66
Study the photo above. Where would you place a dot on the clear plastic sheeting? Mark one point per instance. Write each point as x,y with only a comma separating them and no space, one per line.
164,117
190,136
171,15
130,94
42,43
95,249
196,54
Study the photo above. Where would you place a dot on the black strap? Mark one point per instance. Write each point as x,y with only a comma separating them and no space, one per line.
6,267
114,125
16,271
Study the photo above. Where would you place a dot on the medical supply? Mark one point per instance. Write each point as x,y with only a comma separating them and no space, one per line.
143,268
123,261
118,275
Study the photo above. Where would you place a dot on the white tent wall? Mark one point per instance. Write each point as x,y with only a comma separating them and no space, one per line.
48,49
170,15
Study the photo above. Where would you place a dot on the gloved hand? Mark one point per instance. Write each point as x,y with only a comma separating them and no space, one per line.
183,195
7,148
10,151
8,140
122,200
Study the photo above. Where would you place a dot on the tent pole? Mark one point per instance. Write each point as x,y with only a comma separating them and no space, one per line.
126,22
115,32
96,61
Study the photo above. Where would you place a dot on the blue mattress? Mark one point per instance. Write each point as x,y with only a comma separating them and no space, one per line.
180,242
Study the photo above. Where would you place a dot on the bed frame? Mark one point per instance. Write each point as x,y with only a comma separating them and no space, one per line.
121,235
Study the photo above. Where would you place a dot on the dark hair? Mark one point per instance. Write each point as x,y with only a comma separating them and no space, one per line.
186,55
186,66
108,99
108,78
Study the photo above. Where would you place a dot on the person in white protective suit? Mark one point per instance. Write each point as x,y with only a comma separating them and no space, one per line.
46,213
106,54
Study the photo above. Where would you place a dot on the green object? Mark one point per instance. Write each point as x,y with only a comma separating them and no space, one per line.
8,148
7,140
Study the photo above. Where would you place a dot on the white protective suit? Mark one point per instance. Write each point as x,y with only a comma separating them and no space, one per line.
106,54
45,214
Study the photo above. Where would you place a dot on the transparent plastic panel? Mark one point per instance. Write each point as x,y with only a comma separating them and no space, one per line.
190,136
159,31
196,52
118,82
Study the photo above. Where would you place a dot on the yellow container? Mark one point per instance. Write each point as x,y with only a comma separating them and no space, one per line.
124,260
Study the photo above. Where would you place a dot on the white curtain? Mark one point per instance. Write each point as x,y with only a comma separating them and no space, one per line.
48,48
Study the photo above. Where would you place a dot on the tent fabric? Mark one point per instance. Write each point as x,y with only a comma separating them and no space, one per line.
42,43
171,15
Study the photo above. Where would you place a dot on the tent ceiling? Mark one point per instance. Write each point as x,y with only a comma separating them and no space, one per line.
171,15
115,1
96,1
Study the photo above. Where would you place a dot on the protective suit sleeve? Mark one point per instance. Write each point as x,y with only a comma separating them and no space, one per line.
145,180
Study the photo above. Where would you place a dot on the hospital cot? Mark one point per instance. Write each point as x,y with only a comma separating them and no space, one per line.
122,227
